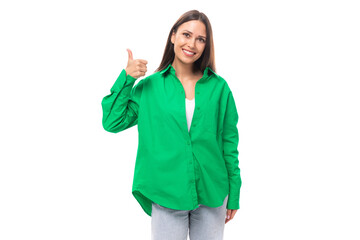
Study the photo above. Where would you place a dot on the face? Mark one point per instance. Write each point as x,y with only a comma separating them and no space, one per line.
190,36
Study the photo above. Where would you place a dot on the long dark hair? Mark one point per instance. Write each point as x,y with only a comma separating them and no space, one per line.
207,58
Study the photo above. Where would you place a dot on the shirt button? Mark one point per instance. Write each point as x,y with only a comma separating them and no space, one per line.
194,125
198,108
188,142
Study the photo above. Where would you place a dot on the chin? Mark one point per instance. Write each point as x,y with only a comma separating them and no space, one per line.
186,61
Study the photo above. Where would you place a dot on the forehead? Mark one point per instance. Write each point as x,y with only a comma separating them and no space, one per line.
195,26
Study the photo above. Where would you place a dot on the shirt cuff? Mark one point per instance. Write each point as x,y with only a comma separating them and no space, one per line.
123,79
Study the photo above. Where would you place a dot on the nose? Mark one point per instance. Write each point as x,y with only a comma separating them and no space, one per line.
191,43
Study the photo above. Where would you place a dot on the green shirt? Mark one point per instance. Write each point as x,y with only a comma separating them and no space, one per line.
177,168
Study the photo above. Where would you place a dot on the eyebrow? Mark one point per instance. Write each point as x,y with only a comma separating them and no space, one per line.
191,33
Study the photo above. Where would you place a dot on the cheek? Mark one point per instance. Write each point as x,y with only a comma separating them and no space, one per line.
201,48
180,42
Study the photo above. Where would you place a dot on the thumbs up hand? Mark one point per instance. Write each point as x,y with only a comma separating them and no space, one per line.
135,68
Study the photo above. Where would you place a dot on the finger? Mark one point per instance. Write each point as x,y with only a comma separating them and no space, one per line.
140,62
141,67
141,73
232,214
143,61
130,55
228,214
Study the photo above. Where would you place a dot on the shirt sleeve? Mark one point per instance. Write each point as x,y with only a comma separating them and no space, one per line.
121,106
230,151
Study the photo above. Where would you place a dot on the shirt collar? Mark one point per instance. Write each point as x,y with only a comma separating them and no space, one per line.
171,69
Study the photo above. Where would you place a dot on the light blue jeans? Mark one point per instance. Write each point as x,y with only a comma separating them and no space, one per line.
202,223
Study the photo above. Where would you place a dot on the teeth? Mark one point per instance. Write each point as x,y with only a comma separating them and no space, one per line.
188,52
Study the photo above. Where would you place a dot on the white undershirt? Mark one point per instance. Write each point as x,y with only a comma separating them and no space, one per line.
189,106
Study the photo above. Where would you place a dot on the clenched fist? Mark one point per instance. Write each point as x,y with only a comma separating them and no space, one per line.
135,68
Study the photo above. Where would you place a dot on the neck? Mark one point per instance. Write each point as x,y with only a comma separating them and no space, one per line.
183,70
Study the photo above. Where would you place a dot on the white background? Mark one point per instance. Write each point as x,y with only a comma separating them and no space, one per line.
293,67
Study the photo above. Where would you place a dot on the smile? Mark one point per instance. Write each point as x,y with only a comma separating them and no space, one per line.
187,53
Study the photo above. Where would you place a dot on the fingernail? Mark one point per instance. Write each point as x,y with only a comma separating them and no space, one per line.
228,217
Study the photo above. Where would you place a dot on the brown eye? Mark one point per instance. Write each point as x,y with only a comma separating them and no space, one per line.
186,34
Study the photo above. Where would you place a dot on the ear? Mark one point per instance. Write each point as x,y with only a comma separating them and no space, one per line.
173,37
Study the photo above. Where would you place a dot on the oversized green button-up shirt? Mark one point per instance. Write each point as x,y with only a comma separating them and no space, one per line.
177,168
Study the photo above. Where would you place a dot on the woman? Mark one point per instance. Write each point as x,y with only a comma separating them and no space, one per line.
186,173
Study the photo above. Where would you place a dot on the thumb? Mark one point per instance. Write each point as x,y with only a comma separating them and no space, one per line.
130,55
228,213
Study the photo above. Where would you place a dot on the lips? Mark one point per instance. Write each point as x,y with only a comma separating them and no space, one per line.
188,53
